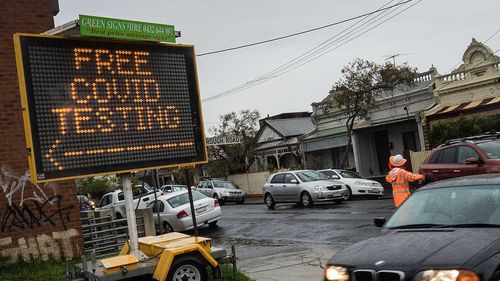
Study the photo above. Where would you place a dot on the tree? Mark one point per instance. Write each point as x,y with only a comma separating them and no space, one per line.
236,158
362,85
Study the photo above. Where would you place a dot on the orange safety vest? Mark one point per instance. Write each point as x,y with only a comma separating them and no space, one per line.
400,179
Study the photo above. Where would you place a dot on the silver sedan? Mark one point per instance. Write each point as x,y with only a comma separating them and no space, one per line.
304,187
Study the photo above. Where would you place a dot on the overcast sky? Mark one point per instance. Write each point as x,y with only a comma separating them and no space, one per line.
433,32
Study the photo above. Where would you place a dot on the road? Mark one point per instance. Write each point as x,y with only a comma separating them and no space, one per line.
291,242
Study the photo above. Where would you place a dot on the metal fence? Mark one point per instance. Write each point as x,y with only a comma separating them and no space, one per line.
105,235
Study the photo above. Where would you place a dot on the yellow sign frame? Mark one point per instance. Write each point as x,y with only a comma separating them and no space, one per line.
27,120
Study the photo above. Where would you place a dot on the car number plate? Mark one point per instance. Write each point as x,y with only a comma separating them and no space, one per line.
201,210
373,191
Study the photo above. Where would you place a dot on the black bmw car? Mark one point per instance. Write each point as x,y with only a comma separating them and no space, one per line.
445,231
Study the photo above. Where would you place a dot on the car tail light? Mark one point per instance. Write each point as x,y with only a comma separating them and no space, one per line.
182,214
216,203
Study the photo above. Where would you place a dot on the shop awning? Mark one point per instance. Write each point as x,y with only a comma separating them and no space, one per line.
455,108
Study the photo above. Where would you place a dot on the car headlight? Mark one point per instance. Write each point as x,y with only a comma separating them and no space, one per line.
336,273
446,275
319,188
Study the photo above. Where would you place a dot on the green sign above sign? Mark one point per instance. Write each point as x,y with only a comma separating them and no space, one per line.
126,29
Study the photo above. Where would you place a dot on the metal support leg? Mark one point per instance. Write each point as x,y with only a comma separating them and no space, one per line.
129,210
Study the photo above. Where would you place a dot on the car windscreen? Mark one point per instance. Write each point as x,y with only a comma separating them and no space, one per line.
350,175
223,184
183,199
491,148
465,205
307,176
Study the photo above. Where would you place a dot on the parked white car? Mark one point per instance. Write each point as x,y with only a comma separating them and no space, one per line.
115,201
355,183
175,212
222,190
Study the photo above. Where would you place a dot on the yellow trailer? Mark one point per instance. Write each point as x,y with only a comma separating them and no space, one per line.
169,257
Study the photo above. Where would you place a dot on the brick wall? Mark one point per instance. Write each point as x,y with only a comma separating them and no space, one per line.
36,221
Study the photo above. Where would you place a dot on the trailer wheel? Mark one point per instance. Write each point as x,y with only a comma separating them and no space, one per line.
187,268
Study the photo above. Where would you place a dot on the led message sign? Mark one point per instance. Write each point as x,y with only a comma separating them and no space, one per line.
99,107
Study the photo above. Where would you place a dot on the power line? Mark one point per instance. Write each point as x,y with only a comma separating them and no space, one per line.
301,62
301,32
304,56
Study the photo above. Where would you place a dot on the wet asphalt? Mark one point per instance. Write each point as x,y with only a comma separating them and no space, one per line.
273,243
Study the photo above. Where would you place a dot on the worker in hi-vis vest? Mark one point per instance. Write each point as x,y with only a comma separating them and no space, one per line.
400,179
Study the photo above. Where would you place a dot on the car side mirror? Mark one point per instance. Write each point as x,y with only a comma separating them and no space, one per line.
379,222
335,177
294,181
472,160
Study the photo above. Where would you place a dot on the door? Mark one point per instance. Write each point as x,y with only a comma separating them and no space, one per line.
291,188
383,151
464,169
203,188
446,164
409,141
276,186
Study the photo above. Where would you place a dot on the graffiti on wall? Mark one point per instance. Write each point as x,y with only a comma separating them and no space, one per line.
43,246
30,205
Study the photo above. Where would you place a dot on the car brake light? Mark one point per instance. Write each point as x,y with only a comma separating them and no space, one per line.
216,203
182,214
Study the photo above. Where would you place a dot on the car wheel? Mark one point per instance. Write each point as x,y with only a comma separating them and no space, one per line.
167,228
349,193
221,202
306,200
269,200
187,268
212,224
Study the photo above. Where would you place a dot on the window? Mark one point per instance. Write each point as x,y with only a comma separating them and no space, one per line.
307,176
121,197
350,175
447,155
434,158
106,200
465,152
160,206
223,184
491,148
289,178
280,178
409,141
178,188
330,174
450,205
209,185
183,199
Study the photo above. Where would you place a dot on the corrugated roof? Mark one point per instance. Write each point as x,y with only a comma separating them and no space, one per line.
276,144
292,127
326,133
